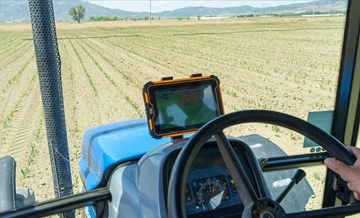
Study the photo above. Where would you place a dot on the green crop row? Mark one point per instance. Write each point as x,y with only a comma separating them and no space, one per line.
9,117
127,98
13,51
36,138
84,69
13,79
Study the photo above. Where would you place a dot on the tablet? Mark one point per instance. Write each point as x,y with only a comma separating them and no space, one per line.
175,107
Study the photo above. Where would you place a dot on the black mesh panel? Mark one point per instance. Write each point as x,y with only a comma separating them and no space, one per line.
48,64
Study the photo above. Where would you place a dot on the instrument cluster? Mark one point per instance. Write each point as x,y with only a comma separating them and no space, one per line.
209,184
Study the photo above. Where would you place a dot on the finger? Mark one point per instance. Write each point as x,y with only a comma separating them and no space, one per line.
350,186
357,196
338,167
355,151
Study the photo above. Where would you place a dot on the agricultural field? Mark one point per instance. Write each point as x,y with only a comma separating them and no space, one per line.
289,65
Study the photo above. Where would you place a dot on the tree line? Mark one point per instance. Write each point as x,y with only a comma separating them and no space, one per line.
77,13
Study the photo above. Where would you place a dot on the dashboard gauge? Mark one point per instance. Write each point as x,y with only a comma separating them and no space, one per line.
210,192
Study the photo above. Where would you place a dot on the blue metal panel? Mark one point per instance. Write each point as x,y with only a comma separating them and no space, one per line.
89,212
107,144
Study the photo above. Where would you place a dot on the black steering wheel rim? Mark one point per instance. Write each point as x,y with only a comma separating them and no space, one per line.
187,154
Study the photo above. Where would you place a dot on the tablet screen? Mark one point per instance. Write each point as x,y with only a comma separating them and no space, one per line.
185,107
179,107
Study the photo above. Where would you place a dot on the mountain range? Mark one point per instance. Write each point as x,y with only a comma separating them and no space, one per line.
18,11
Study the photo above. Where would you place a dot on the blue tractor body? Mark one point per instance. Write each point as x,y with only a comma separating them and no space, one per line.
106,145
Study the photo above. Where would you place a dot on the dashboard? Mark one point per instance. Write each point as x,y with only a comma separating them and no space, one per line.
210,190
141,187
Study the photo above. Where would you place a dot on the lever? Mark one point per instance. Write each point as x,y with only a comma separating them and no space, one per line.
299,175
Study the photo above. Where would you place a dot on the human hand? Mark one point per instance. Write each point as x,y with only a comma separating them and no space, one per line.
350,174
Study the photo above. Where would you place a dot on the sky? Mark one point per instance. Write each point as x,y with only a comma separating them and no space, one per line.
164,5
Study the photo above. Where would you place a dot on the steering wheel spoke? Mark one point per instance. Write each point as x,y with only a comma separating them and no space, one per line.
242,183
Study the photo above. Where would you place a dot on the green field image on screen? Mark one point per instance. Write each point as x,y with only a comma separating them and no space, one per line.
182,107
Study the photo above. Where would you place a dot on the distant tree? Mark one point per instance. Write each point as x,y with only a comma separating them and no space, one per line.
77,13
179,18
146,17
188,18
198,17
105,18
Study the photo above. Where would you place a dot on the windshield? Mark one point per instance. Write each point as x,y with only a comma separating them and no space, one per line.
286,60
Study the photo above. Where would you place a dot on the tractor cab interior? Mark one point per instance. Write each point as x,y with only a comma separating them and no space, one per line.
228,142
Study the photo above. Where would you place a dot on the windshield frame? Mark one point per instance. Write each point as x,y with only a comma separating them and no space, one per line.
347,108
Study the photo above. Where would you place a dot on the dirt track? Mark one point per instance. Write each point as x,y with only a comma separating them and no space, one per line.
105,65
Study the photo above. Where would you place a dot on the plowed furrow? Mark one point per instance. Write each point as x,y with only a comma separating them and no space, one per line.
23,125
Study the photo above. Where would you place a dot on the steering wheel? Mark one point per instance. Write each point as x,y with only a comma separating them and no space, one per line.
254,207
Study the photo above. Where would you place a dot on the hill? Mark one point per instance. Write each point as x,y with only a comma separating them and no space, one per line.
320,6
61,9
